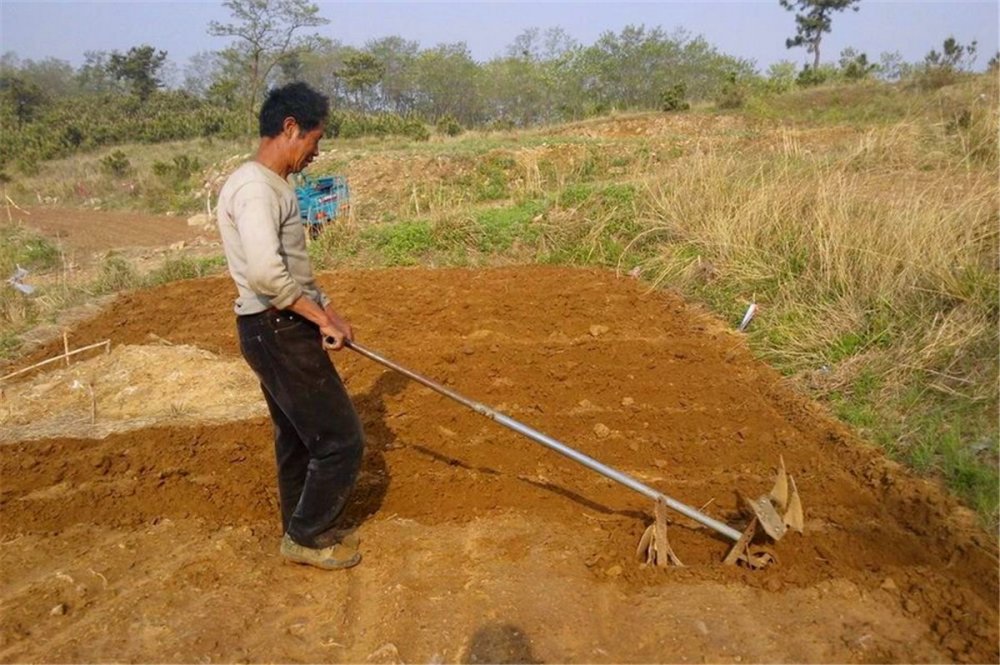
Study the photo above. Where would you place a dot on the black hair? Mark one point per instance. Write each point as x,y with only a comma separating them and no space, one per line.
295,100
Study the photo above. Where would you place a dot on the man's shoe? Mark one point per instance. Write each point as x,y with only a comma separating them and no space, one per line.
328,558
349,539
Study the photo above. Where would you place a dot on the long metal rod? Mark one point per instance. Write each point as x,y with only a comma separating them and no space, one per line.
559,447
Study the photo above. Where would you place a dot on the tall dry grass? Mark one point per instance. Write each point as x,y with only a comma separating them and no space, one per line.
876,272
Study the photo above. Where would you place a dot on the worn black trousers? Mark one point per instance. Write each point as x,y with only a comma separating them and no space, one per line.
318,440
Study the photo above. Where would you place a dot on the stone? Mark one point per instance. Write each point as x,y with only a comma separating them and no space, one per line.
598,330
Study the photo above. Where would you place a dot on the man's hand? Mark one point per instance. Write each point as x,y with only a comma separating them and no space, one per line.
339,330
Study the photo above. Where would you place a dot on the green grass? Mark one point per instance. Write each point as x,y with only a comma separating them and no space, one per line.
497,229
22,247
178,268
401,244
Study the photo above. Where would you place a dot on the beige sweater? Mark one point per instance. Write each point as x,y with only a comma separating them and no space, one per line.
264,241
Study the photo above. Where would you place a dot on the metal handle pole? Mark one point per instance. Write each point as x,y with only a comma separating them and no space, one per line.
559,447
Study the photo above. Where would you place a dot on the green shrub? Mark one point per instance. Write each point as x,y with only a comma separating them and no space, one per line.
86,122
733,94
177,172
672,99
449,126
174,269
116,164
809,77
21,247
117,274
417,130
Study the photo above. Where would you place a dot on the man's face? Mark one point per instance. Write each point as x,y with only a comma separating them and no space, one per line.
304,146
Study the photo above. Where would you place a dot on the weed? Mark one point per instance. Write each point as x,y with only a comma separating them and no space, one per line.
574,194
117,274
402,243
497,229
174,269
493,176
116,164
22,247
10,343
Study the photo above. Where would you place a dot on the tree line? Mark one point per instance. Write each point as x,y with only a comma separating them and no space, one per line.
543,76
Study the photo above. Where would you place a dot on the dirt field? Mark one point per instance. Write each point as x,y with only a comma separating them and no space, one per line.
87,231
159,542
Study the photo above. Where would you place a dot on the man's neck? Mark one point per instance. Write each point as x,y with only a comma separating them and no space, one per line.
269,156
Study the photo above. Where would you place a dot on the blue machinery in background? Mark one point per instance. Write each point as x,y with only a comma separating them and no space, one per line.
321,200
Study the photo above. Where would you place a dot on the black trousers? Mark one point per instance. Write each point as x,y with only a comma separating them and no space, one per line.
318,440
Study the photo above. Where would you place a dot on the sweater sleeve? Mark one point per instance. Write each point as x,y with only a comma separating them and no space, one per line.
257,215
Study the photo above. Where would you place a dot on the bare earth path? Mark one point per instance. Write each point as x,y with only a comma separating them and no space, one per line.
160,543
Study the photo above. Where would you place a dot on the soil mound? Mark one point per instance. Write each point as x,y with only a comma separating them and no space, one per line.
478,544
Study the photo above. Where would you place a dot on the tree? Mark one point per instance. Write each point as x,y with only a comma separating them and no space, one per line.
448,82
55,78
892,67
781,76
139,67
953,57
361,72
22,98
812,20
204,69
854,66
395,92
92,76
265,35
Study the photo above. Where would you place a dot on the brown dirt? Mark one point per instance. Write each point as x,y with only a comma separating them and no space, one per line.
160,543
84,232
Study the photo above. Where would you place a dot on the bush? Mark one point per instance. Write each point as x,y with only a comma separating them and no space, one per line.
500,125
416,130
116,164
178,172
449,126
117,274
810,77
672,99
732,95
85,122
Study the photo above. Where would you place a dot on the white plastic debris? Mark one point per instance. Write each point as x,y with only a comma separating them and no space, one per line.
16,280
751,311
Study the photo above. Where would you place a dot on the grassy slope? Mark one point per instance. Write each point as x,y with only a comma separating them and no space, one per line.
862,220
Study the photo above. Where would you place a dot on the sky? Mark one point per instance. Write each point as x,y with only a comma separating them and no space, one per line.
751,29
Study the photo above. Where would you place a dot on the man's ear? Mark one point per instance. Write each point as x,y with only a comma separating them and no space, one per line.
290,127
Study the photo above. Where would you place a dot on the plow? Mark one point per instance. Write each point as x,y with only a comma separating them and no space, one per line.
769,516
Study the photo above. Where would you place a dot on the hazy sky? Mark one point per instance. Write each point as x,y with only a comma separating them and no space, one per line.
749,28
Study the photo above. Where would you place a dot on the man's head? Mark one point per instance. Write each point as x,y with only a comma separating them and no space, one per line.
294,117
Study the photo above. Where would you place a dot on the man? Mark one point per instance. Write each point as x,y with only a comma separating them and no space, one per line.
285,325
